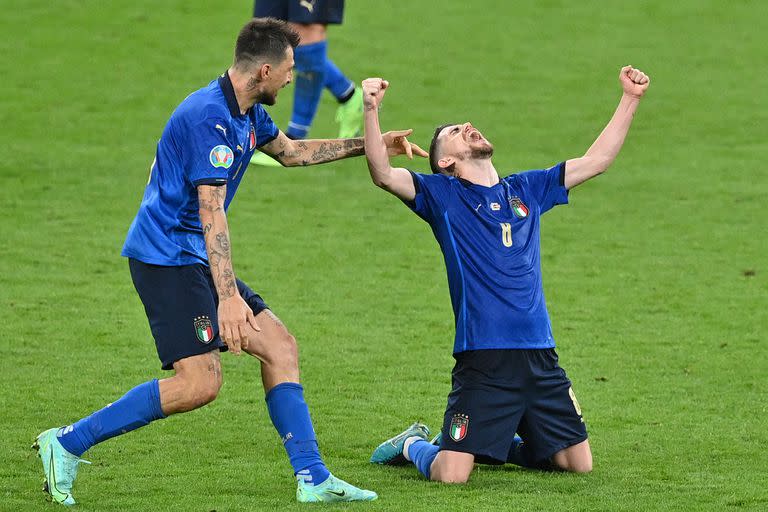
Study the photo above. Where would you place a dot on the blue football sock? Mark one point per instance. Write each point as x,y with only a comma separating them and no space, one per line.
290,416
335,81
422,453
136,408
310,76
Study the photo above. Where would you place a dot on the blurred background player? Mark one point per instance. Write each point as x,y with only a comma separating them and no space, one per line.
314,70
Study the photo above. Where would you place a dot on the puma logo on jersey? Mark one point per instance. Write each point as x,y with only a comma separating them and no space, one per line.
223,130
308,5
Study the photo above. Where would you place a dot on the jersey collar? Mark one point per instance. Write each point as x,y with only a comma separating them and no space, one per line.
229,94
468,184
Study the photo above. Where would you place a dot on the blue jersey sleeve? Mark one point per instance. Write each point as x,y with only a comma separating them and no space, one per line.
266,129
206,153
432,194
547,187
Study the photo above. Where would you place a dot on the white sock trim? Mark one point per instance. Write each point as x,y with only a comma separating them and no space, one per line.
305,476
407,444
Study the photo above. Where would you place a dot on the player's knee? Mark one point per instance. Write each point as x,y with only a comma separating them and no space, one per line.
203,394
454,478
581,466
199,392
286,351
577,465
453,475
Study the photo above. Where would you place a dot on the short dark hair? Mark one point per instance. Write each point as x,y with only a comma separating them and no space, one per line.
433,149
264,39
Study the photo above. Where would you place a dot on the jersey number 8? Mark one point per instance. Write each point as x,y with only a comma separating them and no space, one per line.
506,234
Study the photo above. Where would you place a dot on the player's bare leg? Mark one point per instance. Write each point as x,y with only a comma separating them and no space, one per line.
196,382
576,458
276,348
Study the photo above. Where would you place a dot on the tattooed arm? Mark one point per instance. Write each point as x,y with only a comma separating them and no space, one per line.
313,151
317,151
234,313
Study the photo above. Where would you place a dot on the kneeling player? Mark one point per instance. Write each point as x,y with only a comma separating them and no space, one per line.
506,378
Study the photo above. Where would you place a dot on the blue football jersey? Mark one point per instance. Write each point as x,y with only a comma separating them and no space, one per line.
490,242
206,141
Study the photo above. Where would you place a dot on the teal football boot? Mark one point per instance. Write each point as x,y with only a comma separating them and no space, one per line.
331,491
59,465
390,452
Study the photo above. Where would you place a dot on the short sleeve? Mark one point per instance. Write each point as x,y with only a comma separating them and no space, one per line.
266,129
547,187
432,194
206,153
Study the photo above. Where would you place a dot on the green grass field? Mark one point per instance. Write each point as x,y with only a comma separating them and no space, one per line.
656,274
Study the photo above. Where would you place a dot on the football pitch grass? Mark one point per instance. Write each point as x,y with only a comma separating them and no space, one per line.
656,274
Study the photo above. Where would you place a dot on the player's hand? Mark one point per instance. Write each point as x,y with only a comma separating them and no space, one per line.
235,315
633,81
373,92
398,144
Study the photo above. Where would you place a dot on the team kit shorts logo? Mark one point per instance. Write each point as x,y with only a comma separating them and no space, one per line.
221,156
459,427
203,329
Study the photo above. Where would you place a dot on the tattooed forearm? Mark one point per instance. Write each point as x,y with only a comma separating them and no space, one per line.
313,151
220,260
216,233
286,155
223,241
330,150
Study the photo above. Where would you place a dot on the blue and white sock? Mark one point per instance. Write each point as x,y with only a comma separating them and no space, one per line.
335,81
290,416
422,454
138,407
310,77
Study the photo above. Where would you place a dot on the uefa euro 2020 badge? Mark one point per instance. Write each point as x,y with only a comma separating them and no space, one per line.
221,156
459,427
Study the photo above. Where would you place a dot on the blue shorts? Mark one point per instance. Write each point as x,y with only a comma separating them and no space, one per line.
499,392
301,11
181,305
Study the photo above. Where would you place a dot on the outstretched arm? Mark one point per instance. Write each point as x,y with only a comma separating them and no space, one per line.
603,151
396,180
292,153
